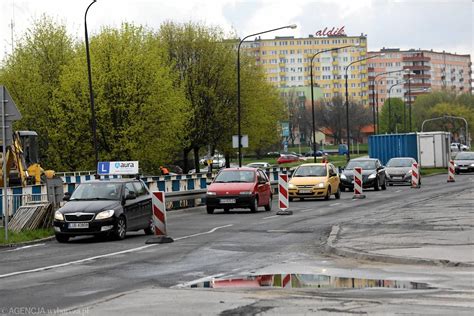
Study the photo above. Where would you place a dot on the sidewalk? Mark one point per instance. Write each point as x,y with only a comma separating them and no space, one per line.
434,232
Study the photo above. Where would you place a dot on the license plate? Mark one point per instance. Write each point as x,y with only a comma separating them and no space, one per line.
305,191
78,225
227,201
463,168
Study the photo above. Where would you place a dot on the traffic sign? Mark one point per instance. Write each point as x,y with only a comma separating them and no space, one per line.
10,113
117,167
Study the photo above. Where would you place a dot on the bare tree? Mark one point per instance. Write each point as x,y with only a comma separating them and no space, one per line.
332,115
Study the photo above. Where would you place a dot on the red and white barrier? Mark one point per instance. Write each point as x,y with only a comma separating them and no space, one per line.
286,280
451,171
283,195
159,218
159,213
415,176
358,184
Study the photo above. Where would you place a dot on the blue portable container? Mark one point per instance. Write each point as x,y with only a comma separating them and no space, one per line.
385,147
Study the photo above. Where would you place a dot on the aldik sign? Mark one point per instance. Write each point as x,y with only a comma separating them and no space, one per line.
332,32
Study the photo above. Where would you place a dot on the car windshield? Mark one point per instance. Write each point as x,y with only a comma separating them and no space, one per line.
235,176
364,164
310,171
465,156
97,191
397,163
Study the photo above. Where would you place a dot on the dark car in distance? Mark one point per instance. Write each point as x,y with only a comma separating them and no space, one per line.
105,208
373,174
464,162
243,187
399,169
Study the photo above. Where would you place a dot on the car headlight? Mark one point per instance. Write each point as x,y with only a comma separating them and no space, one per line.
321,185
472,164
409,173
105,214
455,165
246,193
211,193
343,177
372,176
58,216
291,186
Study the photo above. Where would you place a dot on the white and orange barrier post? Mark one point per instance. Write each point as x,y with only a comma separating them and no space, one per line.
159,219
358,184
283,204
415,176
451,171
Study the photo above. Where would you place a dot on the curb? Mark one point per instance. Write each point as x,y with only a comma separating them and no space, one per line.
26,243
332,248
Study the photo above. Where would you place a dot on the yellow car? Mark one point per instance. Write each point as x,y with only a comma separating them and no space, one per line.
312,180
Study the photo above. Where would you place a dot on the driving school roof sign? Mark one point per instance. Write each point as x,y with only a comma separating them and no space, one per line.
117,167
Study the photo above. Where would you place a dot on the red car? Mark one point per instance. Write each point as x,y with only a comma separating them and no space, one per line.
239,188
287,159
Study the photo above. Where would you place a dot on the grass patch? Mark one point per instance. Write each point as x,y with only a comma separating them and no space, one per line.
24,236
429,171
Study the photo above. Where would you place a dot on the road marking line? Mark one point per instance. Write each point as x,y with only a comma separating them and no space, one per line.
26,247
205,233
270,217
398,191
307,210
102,256
334,204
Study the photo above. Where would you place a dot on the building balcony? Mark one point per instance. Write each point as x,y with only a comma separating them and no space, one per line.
417,85
417,76
282,64
417,68
416,59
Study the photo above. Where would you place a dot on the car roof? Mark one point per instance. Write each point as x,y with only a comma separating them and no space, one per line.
360,158
313,164
115,180
239,169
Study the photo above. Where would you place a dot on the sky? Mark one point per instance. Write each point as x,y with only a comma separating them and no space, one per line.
427,24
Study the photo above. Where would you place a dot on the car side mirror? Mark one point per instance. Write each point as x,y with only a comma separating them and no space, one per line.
67,196
262,182
341,169
131,195
332,174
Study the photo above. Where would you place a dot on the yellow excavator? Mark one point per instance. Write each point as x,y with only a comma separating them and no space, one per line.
22,163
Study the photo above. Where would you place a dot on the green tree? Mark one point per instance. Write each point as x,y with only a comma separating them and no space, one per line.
396,114
32,75
139,112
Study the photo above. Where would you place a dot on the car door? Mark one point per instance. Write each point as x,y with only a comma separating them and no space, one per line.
131,208
333,178
144,212
380,171
264,189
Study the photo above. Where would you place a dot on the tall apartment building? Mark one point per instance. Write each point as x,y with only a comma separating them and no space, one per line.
430,71
287,63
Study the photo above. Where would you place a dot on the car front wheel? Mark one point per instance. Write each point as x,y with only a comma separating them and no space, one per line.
210,210
121,229
376,184
384,184
150,230
62,238
254,206
338,193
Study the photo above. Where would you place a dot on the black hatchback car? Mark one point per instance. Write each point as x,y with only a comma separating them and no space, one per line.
373,174
105,207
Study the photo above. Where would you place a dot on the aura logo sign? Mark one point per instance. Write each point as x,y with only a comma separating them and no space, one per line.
117,167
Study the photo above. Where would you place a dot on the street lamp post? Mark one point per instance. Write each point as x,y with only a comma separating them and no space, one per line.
312,94
292,26
375,97
390,106
347,102
91,93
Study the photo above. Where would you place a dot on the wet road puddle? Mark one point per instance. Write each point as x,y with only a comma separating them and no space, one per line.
305,281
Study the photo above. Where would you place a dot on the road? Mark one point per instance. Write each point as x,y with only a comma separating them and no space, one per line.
89,276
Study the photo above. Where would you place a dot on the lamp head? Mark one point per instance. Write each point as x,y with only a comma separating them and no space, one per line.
292,26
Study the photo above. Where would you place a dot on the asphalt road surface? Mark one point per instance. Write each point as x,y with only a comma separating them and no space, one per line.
89,276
